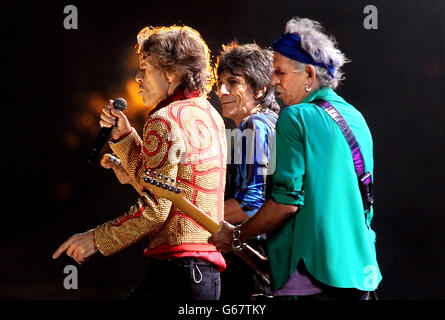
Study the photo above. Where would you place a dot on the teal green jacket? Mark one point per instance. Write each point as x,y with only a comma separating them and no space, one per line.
315,171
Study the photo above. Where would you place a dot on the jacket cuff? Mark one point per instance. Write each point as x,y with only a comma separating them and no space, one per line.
122,136
103,243
123,144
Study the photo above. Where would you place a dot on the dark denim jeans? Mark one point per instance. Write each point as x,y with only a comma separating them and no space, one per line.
180,279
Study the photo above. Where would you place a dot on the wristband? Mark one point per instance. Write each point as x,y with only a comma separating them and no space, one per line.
237,244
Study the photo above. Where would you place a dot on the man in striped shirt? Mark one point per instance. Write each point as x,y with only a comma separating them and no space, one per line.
244,73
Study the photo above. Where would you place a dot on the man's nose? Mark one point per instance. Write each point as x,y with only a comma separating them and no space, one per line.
139,78
222,90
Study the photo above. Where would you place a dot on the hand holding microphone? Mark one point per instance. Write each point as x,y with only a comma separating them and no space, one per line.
114,124
113,116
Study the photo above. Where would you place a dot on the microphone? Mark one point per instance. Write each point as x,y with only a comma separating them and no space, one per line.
104,134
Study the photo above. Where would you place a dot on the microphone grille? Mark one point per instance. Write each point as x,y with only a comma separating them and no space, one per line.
120,104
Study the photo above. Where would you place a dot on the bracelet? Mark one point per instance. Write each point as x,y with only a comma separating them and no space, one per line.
236,240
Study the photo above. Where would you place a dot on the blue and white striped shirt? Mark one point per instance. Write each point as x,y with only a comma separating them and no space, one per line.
253,159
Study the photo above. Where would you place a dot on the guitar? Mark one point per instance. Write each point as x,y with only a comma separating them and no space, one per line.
166,187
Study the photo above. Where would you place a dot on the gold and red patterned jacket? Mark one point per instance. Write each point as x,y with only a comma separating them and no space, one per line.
184,140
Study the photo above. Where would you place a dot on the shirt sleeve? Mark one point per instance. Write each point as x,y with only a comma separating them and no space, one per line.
149,214
252,172
287,185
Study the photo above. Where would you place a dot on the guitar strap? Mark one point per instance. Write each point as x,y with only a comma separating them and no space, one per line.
364,178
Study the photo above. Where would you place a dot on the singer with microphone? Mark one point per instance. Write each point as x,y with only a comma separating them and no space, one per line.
183,139
108,123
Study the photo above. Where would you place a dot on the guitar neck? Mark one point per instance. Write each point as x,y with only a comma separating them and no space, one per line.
248,254
194,212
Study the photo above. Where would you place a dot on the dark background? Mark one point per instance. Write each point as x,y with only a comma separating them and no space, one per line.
55,79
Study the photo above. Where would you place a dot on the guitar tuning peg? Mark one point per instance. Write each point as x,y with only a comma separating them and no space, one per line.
178,190
160,176
171,188
154,174
147,172
166,178
148,180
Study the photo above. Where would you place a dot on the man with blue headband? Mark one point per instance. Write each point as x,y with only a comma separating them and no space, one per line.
318,220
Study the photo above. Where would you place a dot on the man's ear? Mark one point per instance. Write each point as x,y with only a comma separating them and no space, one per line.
260,93
173,76
170,77
311,73
173,79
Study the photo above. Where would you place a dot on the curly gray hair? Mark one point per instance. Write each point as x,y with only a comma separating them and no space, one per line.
321,47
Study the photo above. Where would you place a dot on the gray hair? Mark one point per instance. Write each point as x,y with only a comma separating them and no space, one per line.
321,47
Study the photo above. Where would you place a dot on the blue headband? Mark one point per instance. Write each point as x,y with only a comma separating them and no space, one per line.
289,45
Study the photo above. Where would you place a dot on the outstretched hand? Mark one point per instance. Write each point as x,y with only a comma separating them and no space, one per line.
79,247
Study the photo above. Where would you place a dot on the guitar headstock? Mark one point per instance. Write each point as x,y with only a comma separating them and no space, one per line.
162,186
110,161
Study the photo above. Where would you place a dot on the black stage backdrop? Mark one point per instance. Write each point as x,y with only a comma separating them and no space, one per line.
55,81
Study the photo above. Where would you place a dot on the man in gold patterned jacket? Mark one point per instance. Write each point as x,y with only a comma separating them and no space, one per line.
183,139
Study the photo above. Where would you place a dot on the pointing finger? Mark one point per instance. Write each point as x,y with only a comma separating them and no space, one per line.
62,248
